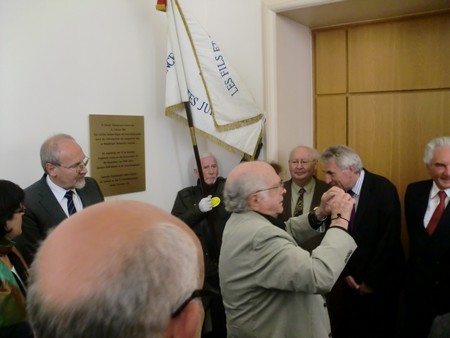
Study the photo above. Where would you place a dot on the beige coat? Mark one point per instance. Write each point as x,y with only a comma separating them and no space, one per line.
271,287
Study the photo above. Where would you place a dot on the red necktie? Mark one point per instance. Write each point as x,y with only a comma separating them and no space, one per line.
437,213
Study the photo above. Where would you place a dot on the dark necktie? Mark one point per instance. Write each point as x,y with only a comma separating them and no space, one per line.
299,206
70,206
352,216
434,221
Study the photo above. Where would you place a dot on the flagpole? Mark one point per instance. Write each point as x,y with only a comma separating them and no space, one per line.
187,107
214,248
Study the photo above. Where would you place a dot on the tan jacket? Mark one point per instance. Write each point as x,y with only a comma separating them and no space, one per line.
270,286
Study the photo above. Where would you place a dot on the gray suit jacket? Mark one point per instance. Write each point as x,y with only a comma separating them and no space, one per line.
43,212
270,286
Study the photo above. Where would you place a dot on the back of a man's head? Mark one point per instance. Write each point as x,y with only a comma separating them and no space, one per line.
115,269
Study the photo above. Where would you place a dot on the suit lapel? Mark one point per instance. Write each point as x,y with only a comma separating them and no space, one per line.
48,201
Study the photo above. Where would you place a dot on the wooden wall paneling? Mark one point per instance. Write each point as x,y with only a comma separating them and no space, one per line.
331,122
390,132
330,60
400,55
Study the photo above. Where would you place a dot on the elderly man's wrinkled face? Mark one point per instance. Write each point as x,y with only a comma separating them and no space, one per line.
335,176
270,198
210,170
439,168
302,166
71,170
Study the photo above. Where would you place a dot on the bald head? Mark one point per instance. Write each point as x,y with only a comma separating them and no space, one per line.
130,261
255,179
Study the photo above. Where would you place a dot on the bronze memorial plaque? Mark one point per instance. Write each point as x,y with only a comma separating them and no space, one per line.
117,153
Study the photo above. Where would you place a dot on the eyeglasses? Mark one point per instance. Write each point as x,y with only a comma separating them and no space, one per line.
302,162
78,166
196,294
21,209
279,185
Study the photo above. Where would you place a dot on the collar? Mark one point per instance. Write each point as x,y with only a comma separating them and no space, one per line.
308,188
57,190
275,221
357,187
434,191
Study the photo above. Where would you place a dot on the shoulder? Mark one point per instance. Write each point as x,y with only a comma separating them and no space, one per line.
188,191
378,182
322,185
419,186
37,185
91,180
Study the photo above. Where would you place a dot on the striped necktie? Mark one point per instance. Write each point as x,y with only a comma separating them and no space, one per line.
70,205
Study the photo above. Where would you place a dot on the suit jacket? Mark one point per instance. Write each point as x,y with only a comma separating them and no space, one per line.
273,288
379,260
319,189
428,278
44,212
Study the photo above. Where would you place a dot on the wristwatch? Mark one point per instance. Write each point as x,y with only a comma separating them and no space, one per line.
314,221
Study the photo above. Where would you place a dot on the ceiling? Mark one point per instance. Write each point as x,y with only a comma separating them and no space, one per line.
351,11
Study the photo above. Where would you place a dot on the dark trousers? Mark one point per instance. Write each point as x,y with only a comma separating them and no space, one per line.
368,316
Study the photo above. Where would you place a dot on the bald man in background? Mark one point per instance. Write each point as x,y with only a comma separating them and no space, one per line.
118,269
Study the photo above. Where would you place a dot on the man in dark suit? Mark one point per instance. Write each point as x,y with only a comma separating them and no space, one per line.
302,167
63,190
364,301
427,292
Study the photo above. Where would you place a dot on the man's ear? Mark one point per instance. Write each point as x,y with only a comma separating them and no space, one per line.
50,169
196,173
252,201
188,324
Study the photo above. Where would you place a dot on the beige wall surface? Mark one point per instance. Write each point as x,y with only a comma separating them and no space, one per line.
63,60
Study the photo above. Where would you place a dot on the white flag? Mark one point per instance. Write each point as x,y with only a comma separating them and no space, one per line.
223,109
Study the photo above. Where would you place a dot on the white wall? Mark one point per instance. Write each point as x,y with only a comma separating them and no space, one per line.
294,93
63,60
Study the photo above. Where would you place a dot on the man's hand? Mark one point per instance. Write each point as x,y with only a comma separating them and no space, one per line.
337,203
205,204
362,288
326,200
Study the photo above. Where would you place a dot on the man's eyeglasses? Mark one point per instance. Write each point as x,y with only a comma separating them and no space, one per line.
278,186
199,293
78,167
302,162
21,209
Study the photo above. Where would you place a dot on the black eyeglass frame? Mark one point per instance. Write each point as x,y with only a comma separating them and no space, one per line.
199,293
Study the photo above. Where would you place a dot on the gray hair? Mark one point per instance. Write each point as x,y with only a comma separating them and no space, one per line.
443,141
50,149
345,157
235,192
135,298
312,152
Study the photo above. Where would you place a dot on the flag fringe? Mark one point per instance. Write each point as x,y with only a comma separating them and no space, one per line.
172,113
